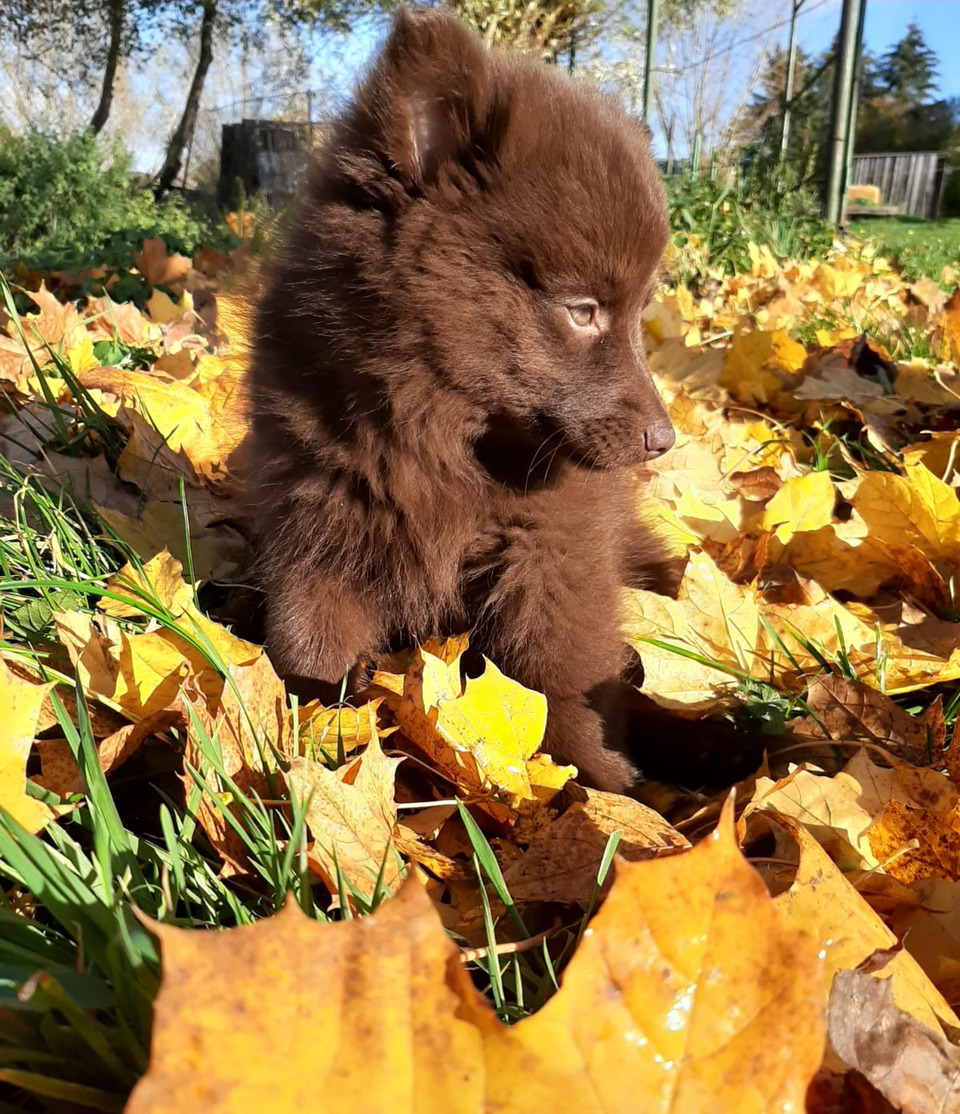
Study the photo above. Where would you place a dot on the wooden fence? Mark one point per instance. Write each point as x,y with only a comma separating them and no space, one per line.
911,180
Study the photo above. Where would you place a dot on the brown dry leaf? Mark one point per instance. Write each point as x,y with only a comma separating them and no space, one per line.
822,901
107,317
158,268
219,551
60,772
56,323
850,710
351,815
661,1009
915,842
916,1068
950,325
562,863
21,701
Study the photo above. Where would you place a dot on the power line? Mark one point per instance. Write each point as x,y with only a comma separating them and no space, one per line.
707,58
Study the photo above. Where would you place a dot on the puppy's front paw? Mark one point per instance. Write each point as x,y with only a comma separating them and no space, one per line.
575,736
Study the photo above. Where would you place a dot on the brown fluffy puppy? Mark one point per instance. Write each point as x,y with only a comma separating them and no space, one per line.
450,392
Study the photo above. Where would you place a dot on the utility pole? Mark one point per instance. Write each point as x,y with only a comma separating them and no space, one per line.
791,75
854,99
653,11
842,86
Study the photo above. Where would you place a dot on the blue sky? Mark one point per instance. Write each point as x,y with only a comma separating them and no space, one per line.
886,22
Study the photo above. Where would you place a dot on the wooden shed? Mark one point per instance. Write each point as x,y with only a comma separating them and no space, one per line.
911,181
267,156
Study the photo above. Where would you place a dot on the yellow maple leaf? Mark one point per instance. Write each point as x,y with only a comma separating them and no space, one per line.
20,703
848,931
760,364
803,504
143,673
161,580
163,309
712,618
915,507
837,280
484,734
662,1009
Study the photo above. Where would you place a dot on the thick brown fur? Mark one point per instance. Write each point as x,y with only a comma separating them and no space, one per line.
443,440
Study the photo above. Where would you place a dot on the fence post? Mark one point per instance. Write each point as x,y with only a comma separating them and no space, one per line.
695,158
653,7
854,101
844,63
791,73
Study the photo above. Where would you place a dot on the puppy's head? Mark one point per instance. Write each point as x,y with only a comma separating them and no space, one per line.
521,223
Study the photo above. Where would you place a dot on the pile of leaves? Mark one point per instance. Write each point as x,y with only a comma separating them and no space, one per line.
505,939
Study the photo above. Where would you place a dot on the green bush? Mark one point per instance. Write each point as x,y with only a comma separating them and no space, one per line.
63,204
714,221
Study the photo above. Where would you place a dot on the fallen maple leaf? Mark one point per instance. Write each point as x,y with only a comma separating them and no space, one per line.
483,734
562,864
914,842
802,504
158,268
143,673
822,901
661,1009
245,722
60,772
351,815
761,364
840,709
911,1065
20,702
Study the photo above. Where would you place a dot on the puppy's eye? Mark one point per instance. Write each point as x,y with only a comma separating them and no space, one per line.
584,315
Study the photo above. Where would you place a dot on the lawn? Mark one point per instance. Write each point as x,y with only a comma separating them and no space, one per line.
920,247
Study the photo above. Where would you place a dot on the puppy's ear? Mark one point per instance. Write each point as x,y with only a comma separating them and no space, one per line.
430,99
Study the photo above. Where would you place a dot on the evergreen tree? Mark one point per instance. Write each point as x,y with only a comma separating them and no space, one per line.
897,112
908,71
762,119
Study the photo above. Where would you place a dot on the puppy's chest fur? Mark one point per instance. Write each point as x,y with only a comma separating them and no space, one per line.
443,546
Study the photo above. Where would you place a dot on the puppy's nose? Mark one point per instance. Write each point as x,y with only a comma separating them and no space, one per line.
658,439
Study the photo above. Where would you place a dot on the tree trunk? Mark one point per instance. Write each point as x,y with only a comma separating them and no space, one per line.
183,134
117,8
